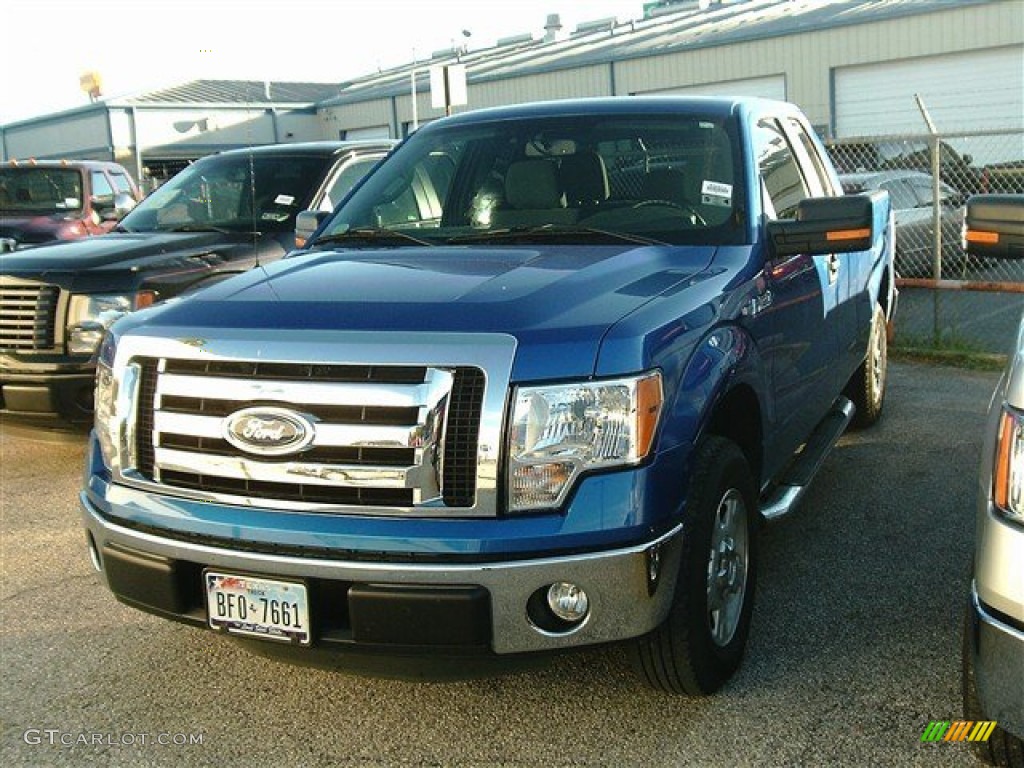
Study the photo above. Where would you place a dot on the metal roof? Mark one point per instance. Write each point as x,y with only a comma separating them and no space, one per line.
687,29
204,93
234,92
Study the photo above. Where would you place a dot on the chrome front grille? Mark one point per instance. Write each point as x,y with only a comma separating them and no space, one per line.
28,315
384,436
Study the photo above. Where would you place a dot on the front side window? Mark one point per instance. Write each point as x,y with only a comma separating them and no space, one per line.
783,182
101,189
668,179
40,190
238,192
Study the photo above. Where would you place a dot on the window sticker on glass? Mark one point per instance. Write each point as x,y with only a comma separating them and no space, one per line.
716,193
284,200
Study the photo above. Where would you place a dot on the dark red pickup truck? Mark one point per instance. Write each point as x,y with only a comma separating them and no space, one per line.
46,200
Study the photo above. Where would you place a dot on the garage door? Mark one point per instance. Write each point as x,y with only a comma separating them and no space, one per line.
770,87
972,91
363,134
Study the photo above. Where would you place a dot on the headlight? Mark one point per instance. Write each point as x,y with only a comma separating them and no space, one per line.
561,431
1008,478
116,392
90,316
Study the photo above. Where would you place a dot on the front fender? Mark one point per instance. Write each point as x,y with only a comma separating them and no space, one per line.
725,361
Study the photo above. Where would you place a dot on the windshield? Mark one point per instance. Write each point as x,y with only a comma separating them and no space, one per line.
40,190
237,192
614,177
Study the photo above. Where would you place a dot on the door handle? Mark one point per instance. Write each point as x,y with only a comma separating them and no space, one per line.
833,268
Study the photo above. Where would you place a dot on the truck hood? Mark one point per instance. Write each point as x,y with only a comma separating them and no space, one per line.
558,301
95,263
28,227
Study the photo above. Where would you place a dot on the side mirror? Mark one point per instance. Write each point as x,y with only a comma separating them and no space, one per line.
123,203
826,225
994,226
102,203
306,223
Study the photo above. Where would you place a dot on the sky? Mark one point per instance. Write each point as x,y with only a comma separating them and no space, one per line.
149,44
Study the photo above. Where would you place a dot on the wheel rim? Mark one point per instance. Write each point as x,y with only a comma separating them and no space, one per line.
877,364
727,567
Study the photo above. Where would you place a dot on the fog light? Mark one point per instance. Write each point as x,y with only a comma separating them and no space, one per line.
568,602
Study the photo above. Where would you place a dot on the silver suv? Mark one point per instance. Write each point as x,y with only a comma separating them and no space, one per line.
993,651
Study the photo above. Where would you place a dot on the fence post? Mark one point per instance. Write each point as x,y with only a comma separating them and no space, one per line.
935,150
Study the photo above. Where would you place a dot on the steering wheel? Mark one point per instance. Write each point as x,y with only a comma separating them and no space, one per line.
689,209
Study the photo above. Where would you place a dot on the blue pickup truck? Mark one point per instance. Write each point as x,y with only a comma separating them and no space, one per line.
535,385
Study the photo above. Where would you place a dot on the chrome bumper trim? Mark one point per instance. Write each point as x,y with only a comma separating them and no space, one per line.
616,581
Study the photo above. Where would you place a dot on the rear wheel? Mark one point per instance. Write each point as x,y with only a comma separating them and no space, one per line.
701,642
866,387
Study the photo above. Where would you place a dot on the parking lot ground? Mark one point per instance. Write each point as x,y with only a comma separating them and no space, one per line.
854,649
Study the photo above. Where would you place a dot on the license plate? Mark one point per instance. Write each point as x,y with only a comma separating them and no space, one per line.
252,605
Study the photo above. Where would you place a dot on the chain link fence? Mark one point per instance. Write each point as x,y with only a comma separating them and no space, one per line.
947,298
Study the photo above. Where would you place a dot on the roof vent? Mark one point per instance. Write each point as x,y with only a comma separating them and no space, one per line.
552,27
526,37
673,6
598,25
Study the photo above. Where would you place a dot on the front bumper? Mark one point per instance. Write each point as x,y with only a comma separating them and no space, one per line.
48,400
996,649
164,576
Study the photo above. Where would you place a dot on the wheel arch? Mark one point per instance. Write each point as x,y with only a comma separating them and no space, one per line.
737,416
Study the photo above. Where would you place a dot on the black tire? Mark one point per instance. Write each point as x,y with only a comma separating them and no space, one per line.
866,388
1002,748
683,655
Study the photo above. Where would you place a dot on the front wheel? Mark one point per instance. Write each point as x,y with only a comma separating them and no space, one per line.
700,644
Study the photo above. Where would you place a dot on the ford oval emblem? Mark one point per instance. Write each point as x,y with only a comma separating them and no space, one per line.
269,431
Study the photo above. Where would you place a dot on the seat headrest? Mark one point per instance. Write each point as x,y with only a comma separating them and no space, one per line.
532,184
584,178
665,184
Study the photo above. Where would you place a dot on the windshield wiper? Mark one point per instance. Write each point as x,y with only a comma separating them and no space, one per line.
555,231
372,234
199,228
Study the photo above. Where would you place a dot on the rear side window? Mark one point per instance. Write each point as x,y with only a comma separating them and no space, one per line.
121,184
813,157
350,173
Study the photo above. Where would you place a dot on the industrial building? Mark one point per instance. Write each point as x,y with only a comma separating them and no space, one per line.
854,66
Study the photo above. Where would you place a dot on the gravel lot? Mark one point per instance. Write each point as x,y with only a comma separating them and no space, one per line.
854,649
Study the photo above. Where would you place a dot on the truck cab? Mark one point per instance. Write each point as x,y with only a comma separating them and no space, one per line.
45,201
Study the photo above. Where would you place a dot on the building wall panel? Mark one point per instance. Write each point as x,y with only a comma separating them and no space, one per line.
79,137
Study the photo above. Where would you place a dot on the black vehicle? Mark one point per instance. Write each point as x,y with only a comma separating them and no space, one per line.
222,215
